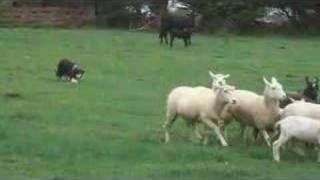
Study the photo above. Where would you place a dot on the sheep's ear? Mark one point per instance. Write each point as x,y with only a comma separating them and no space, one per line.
274,80
266,81
212,75
226,76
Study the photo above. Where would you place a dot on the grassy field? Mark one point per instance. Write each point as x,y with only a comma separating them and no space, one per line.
108,125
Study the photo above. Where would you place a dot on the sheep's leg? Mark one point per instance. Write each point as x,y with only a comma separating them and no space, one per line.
242,129
171,117
294,145
166,37
275,134
171,39
222,128
210,124
203,137
266,137
186,43
225,134
318,149
197,131
255,134
161,37
206,134
318,153
276,146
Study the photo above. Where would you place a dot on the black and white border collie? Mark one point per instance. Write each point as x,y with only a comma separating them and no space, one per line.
67,70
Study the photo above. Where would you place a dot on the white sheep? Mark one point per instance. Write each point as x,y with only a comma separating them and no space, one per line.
217,80
260,112
198,105
297,127
302,108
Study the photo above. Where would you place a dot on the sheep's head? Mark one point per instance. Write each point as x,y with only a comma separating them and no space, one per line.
274,89
224,93
218,80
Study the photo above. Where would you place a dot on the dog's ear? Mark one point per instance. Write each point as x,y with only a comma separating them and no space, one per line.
307,79
317,82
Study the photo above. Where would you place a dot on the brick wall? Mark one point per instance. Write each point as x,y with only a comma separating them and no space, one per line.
56,16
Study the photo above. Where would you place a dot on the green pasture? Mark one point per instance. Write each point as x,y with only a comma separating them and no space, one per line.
108,125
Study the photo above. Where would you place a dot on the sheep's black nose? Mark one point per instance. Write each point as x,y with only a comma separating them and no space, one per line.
234,101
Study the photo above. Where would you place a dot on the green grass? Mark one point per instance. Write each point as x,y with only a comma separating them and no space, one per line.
108,125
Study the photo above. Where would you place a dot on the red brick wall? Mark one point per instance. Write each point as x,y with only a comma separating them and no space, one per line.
56,16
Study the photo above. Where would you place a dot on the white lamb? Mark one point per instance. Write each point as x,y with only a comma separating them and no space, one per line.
217,80
260,112
198,105
298,127
302,108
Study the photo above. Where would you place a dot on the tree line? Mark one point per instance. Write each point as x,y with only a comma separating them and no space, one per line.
215,13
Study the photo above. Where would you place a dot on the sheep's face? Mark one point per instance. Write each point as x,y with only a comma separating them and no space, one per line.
274,89
225,94
218,80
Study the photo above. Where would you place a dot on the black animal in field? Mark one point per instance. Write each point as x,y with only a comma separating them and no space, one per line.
309,94
176,27
68,70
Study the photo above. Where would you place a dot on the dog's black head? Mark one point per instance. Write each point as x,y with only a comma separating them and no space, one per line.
77,72
66,69
311,90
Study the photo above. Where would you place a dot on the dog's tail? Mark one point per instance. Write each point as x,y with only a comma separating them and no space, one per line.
58,74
